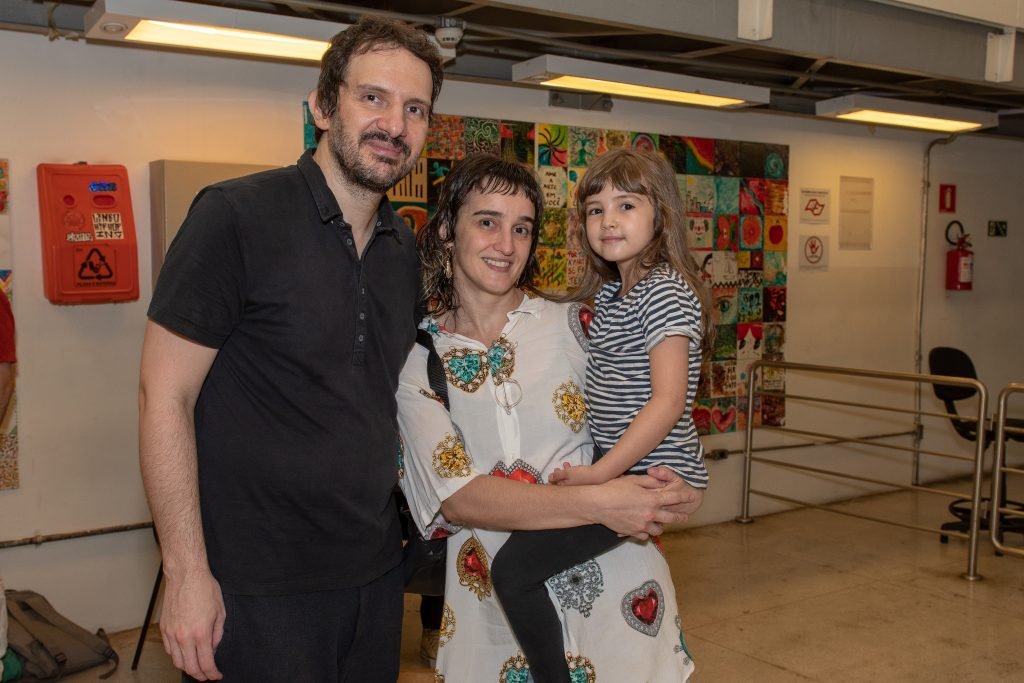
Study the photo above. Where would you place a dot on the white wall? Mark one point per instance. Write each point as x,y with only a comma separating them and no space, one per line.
78,365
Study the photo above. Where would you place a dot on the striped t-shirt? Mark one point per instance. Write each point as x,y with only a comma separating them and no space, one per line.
622,335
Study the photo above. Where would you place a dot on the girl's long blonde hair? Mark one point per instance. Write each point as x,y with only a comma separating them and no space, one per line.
648,174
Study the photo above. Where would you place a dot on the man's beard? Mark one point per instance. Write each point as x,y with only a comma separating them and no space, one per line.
368,176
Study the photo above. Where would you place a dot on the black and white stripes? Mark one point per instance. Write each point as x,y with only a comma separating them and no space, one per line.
624,331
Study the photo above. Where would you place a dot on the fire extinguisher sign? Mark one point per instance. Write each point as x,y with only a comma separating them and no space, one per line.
947,198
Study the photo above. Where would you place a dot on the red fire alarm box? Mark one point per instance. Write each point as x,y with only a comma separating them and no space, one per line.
90,254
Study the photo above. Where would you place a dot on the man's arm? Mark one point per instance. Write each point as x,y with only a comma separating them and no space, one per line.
637,506
192,618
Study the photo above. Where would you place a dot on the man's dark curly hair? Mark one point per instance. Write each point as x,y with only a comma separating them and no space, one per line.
369,34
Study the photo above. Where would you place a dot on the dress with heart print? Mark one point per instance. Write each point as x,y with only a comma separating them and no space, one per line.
542,352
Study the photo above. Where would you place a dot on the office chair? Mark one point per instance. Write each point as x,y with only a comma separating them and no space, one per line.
945,360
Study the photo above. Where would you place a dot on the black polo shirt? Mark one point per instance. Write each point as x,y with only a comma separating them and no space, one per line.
295,424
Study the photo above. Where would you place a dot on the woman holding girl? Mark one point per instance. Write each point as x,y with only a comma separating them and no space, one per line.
514,367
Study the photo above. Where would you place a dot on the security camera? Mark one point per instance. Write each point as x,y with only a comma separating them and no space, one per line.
448,36
448,31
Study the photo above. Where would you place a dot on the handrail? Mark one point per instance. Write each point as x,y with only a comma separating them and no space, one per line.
825,435
39,539
917,378
832,401
999,468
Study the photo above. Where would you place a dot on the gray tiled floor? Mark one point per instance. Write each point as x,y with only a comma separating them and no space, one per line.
811,596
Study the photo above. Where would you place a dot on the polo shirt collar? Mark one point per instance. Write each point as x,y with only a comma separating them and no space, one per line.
327,203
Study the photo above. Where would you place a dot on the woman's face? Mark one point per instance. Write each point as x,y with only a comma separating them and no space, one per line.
493,233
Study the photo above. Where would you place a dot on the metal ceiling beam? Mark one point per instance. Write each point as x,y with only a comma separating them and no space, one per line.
996,14
811,70
709,52
860,32
747,72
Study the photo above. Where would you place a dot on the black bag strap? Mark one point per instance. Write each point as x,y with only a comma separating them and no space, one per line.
435,372
423,560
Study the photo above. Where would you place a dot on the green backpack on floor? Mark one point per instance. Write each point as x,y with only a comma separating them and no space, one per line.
49,644
10,667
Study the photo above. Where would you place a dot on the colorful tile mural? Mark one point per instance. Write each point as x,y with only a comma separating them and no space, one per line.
9,477
736,195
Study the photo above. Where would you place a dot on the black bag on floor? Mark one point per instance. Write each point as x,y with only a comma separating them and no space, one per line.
49,644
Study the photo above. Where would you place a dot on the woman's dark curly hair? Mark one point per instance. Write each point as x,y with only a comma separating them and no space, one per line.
486,174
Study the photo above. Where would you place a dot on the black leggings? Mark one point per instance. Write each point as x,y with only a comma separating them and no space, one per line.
431,611
519,570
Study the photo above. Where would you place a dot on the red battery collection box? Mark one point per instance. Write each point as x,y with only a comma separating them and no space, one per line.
90,253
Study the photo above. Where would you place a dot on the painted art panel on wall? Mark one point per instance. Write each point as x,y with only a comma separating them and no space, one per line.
8,420
736,197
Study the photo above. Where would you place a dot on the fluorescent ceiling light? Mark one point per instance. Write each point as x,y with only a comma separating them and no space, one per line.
203,27
227,40
890,112
625,81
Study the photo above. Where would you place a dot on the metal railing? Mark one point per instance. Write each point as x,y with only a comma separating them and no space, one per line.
40,539
907,377
1000,469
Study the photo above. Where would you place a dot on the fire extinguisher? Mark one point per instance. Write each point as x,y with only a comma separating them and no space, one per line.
959,259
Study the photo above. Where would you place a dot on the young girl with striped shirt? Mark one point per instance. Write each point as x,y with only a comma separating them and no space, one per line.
647,340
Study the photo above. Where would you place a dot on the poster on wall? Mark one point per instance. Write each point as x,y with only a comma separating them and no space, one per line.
813,253
736,197
856,201
8,421
815,205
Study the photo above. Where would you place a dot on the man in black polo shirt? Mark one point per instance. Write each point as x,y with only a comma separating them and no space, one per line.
282,317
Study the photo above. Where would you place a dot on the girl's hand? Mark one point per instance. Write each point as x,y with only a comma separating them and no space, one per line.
575,475
559,475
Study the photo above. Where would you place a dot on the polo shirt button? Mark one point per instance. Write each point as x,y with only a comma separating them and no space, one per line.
362,290
360,337
362,316
348,241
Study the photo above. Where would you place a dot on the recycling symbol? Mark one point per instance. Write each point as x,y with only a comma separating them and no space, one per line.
95,267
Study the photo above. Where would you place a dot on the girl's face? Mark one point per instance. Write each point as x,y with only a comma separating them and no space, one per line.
619,226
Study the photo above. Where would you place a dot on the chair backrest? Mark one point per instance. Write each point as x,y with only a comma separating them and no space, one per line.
945,360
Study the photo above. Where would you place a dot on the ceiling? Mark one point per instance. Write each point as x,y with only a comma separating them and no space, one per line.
818,48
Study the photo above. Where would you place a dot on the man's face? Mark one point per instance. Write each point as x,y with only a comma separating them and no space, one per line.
380,126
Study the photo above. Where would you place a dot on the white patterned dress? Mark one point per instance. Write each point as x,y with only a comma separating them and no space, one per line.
619,613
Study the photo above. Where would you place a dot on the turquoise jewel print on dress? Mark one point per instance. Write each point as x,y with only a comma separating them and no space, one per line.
496,355
465,368
518,676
